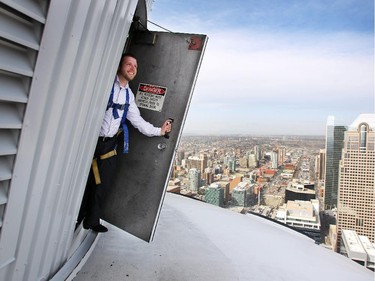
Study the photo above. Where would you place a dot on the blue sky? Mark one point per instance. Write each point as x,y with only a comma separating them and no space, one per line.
276,67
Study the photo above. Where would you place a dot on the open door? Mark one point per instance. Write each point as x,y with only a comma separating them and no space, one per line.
168,65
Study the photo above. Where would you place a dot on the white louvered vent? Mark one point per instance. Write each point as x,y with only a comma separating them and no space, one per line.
21,25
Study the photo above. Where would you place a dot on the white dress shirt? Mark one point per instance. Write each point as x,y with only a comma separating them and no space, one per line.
110,125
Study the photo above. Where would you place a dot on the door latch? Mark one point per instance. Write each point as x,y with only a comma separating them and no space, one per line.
162,146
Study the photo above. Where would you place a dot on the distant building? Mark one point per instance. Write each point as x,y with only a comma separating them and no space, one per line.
234,181
225,186
331,239
286,175
356,200
252,161
198,162
180,155
334,143
289,168
274,160
243,162
288,171
230,161
299,191
302,215
194,180
281,152
208,176
240,194
258,152
268,173
214,195
174,186
218,169
321,164
358,248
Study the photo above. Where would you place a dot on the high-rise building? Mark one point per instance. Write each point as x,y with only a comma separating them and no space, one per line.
321,164
180,155
281,151
194,179
230,162
334,144
198,162
252,161
225,186
215,195
240,194
232,165
320,172
243,162
258,152
274,160
208,176
356,193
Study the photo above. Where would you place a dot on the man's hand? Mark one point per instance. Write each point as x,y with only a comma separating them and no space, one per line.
167,127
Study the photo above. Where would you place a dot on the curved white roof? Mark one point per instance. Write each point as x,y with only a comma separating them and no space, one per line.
197,241
369,118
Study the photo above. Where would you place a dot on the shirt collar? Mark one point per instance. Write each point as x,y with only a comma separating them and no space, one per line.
118,83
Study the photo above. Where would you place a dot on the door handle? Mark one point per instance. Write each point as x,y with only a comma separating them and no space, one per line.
166,135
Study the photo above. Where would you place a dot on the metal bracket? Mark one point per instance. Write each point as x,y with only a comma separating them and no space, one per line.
145,37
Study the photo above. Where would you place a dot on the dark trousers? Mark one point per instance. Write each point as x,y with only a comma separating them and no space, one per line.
91,207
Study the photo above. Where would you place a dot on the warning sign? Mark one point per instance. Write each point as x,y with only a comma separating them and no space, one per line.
150,96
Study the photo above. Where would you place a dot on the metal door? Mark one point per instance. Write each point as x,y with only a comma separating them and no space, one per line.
168,65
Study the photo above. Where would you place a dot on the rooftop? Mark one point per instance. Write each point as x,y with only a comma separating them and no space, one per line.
368,118
200,242
303,209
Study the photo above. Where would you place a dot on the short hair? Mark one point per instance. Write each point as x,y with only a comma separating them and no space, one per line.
123,56
127,55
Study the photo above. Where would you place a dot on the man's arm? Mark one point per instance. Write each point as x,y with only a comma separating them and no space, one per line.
146,128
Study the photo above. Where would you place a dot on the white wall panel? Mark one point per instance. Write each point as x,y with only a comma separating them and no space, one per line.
59,64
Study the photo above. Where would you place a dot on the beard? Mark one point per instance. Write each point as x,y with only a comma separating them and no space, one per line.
128,77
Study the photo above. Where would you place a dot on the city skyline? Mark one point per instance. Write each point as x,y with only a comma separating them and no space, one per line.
327,194
274,68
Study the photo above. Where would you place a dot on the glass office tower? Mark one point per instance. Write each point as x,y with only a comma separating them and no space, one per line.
334,145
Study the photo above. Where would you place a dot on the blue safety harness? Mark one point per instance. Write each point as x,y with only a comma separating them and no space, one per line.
125,108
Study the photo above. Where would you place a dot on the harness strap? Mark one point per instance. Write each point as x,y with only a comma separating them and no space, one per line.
95,171
123,122
125,108
108,154
94,164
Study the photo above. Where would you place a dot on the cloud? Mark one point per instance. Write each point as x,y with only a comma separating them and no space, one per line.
273,80
284,85
271,68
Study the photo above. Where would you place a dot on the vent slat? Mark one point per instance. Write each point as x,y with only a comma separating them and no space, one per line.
8,144
9,117
13,88
5,171
3,196
32,9
18,30
15,60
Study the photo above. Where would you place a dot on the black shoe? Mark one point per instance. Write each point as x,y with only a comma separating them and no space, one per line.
96,228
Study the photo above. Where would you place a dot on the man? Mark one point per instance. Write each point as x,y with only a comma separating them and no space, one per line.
121,106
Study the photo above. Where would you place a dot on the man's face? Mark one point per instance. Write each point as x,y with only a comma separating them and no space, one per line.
128,68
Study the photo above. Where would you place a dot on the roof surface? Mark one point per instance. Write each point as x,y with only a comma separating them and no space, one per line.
368,118
198,241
